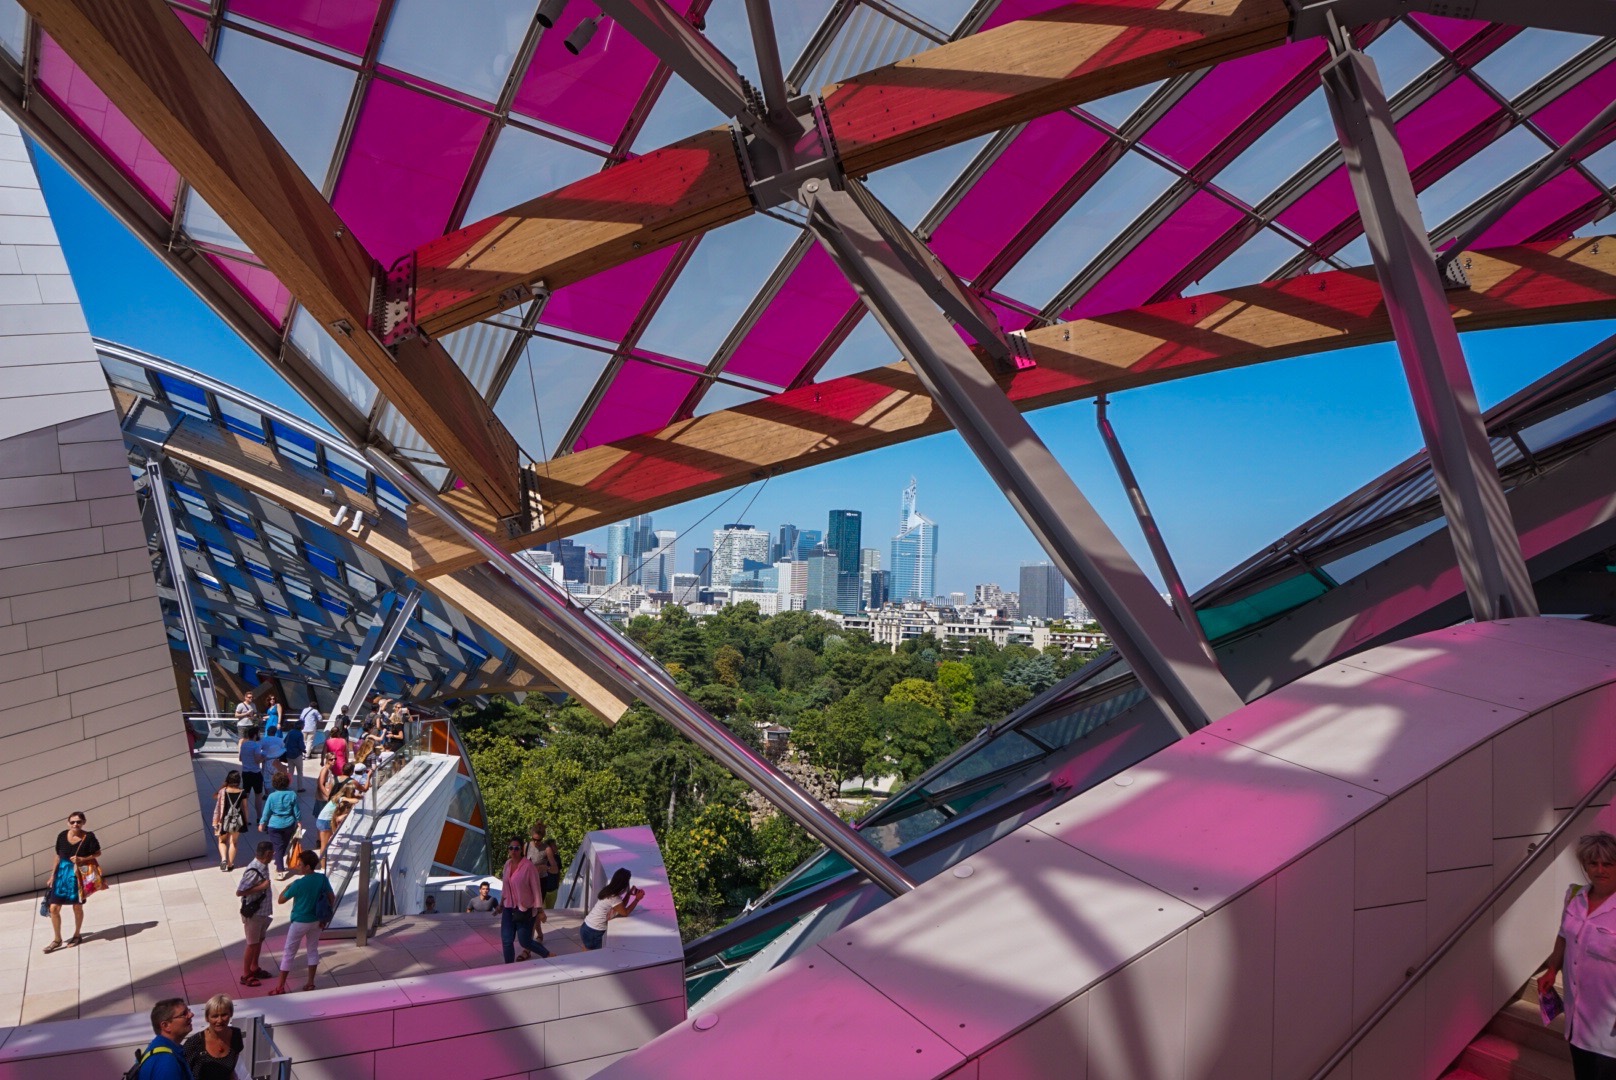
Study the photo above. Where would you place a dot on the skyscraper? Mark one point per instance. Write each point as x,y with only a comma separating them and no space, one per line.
807,540
616,553
869,563
785,547
823,580
842,536
702,566
914,553
1043,591
733,547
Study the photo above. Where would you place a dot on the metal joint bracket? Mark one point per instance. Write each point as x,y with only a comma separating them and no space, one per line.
1309,18
1454,278
773,176
392,308
531,517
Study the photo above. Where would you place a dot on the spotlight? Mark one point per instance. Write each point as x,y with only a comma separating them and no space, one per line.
581,35
549,12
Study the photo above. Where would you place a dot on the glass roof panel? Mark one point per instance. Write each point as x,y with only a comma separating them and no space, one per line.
405,167
13,29
643,397
272,299
705,300
524,166
1117,109
810,304
1225,98
1295,139
867,40
468,45
723,396
1121,195
911,189
1400,57
550,384
605,305
592,93
1255,260
302,100
1159,256
479,350
342,24
866,347
204,225
1508,156
1452,33
1027,175
1571,111
313,342
1543,213
1603,165
1527,58
679,111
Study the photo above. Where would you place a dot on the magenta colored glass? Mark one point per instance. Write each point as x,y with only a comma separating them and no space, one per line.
1452,33
1434,127
405,168
1227,98
66,84
1569,113
1035,166
1161,256
1011,318
1011,10
594,93
604,305
1548,213
813,300
342,24
642,397
272,299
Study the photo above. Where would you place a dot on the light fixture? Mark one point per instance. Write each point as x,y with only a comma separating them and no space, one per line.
581,35
549,12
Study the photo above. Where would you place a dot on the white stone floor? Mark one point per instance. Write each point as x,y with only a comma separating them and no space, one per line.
174,931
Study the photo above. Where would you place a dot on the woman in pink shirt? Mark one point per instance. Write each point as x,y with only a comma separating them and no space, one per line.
520,903
336,744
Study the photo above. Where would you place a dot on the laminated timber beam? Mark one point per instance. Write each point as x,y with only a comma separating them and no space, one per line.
1008,75
256,468
1512,286
153,70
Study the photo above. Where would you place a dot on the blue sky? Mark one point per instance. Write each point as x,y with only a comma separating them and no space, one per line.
1229,461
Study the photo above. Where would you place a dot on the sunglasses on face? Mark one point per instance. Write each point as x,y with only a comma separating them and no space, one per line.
75,821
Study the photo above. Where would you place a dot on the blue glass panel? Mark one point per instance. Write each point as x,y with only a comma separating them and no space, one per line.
322,562
333,605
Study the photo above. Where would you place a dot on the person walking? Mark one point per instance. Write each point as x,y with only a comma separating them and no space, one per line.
164,1057
483,901
543,860
313,903
336,744
229,818
295,748
75,846
250,753
1583,950
281,817
257,911
211,1053
310,721
272,716
519,903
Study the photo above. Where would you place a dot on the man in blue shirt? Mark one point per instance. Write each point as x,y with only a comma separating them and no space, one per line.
164,1059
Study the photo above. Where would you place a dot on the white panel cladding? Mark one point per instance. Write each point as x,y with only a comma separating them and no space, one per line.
89,711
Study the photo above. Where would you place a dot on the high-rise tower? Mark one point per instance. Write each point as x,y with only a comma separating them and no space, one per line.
913,575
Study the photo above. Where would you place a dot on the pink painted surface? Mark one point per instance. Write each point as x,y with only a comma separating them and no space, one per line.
405,168
1227,97
643,397
257,284
814,298
593,93
1046,155
343,24
605,305
1159,257
1452,33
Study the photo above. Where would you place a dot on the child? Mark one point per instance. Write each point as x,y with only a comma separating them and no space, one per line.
609,905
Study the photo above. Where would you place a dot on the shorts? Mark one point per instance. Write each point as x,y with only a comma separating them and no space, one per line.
252,781
255,928
592,938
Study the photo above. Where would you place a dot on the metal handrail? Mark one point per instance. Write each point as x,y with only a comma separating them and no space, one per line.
1534,852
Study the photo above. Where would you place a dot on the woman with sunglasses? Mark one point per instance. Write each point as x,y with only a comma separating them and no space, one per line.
75,845
212,1052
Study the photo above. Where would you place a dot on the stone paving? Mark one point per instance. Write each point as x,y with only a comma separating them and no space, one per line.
175,931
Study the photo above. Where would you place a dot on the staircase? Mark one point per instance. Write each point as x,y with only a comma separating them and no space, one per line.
1516,1046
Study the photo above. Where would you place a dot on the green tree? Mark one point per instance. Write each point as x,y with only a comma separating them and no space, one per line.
913,737
711,864
837,739
917,692
956,681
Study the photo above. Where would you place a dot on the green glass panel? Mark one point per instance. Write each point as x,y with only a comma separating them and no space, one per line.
1226,619
826,866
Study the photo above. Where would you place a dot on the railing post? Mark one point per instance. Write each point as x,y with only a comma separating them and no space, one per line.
363,896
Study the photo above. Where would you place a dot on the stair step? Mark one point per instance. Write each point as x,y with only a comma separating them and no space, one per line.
1493,1057
1522,1022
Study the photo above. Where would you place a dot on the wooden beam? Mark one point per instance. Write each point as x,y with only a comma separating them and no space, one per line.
254,467
1013,73
1515,286
156,73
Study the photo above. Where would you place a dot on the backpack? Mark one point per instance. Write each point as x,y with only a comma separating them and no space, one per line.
252,905
324,909
140,1061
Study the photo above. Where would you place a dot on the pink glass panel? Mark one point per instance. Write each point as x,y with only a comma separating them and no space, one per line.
66,84
1159,257
1456,111
263,288
1452,33
643,397
604,305
1010,317
1004,201
814,298
1570,112
408,160
1228,97
594,93
342,24
1011,10
1548,213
